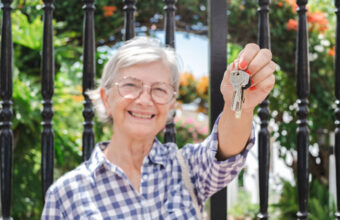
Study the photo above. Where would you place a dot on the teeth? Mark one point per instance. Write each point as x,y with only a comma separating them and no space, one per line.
141,115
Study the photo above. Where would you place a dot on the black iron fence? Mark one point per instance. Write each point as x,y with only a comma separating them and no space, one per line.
217,37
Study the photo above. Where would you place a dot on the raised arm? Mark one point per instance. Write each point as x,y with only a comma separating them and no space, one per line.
233,133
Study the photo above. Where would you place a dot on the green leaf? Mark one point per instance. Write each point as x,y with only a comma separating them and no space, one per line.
25,33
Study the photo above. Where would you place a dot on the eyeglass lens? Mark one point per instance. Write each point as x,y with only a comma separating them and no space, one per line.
131,88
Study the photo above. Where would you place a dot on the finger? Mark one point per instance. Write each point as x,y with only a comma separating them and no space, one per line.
263,73
240,54
248,54
265,85
262,58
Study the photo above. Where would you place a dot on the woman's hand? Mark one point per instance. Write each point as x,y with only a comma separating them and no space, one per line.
235,132
258,63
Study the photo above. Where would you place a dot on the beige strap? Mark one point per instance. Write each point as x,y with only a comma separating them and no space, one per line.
188,183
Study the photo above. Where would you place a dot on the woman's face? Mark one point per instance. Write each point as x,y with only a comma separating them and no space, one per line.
141,117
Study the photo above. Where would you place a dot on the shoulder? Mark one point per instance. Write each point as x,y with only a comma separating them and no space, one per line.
82,177
69,194
72,182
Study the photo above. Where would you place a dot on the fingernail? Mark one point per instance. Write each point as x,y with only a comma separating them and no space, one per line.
252,88
243,65
247,71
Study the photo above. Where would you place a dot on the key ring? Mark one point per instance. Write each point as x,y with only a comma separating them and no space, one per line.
237,68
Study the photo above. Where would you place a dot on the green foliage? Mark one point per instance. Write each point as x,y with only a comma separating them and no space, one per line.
27,192
27,39
288,203
26,162
233,50
243,207
27,33
187,131
108,26
318,203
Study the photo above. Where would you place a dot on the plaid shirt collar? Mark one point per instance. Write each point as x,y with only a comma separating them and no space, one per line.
157,155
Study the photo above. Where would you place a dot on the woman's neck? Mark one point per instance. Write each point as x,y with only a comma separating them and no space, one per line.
127,152
129,155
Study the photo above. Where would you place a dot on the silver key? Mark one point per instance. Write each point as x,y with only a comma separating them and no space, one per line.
238,79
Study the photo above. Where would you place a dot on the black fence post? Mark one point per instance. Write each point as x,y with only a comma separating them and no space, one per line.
170,23
218,56
263,135
170,27
337,102
129,21
302,70
89,72
6,83
47,90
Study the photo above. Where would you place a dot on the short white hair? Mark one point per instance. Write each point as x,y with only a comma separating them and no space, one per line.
138,50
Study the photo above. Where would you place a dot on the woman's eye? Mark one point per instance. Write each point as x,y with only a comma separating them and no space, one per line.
160,90
130,85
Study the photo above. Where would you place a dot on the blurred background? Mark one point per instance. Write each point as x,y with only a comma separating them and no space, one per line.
192,110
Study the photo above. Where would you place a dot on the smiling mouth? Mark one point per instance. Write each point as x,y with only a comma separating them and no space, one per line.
143,116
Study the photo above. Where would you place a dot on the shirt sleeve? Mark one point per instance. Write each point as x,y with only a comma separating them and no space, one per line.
51,209
207,174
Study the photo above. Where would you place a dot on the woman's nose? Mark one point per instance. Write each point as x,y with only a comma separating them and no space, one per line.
145,96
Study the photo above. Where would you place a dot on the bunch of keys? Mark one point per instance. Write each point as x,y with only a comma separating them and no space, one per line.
240,80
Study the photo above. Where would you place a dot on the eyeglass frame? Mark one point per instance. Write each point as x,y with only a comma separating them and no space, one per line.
144,85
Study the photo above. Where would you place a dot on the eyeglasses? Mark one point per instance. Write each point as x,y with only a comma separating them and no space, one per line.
132,88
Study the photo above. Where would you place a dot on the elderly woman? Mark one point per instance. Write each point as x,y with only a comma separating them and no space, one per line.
134,176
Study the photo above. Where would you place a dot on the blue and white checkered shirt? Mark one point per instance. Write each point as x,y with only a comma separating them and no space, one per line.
98,189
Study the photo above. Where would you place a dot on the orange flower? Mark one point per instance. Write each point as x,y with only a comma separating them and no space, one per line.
293,4
318,17
202,85
331,52
318,21
201,109
186,79
109,10
292,24
78,98
280,4
79,88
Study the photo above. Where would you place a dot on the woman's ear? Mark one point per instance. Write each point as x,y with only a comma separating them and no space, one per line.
104,97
